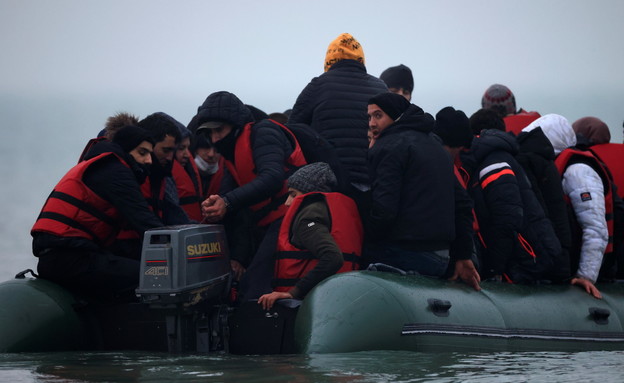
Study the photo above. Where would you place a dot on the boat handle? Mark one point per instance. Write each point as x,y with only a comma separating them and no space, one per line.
600,315
439,307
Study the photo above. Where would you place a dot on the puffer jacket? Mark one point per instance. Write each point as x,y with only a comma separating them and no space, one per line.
520,241
335,105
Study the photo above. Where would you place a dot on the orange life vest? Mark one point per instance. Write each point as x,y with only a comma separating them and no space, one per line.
572,156
244,171
612,155
292,263
74,210
189,192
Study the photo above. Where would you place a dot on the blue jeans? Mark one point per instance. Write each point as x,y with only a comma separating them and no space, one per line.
431,263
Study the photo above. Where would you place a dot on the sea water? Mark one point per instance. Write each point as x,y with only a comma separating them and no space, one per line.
372,366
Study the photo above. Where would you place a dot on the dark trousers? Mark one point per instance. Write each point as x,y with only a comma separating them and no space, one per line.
91,273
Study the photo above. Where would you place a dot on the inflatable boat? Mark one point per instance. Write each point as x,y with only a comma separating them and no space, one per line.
183,306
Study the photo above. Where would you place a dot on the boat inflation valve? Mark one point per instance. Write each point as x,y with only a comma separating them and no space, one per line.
600,315
439,307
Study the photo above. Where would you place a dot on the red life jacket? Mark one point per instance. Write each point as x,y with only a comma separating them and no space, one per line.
74,210
189,192
516,122
572,156
293,263
612,156
214,185
244,171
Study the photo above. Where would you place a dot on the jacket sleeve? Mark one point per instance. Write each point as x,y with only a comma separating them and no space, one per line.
311,231
504,203
117,184
304,106
462,245
271,149
585,189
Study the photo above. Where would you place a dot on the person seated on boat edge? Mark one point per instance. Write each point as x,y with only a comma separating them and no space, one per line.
411,222
520,245
587,187
502,100
82,216
259,158
321,235
185,177
399,80
453,128
536,155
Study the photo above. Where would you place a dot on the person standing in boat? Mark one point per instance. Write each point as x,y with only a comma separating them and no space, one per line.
587,187
81,218
321,234
411,222
520,245
334,105
259,157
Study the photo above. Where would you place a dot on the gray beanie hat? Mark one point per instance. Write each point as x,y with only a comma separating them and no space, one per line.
315,177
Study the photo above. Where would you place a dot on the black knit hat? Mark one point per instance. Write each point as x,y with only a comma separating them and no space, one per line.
453,127
398,76
129,137
315,177
391,103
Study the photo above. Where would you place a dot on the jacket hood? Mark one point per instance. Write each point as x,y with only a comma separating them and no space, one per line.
224,107
535,141
491,140
557,129
414,118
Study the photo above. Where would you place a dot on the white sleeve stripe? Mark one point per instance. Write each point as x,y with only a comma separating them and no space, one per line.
490,168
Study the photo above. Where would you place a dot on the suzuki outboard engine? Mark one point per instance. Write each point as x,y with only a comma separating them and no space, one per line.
185,271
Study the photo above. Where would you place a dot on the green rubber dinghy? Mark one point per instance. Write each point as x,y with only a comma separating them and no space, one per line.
371,310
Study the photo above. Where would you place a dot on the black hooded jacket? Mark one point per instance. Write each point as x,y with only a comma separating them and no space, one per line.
270,148
117,184
520,240
412,186
537,158
335,105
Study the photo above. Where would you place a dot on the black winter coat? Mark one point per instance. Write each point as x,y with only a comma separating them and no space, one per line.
537,158
412,186
511,220
335,105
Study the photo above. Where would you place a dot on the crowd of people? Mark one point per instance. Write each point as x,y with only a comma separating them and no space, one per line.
353,175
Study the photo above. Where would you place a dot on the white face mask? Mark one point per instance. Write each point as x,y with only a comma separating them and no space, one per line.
205,167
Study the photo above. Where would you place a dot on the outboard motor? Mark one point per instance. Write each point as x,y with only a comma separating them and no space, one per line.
185,271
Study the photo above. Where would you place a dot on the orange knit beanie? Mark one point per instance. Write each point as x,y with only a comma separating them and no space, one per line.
343,47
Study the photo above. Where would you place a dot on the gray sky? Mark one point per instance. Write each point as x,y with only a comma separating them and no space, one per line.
67,65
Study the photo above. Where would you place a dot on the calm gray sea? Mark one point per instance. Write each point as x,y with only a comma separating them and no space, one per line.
380,366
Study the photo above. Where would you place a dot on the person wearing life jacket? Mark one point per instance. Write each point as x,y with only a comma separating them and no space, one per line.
259,157
112,125
587,189
453,128
210,165
321,235
520,244
79,221
185,176
499,98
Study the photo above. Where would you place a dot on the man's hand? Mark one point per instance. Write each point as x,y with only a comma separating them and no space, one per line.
213,208
267,300
465,270
237,268
588,286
